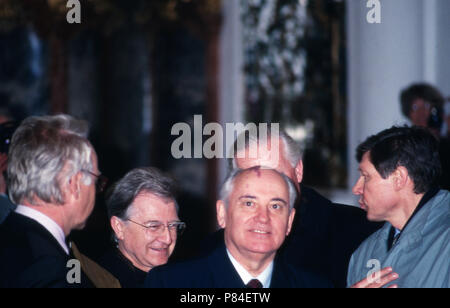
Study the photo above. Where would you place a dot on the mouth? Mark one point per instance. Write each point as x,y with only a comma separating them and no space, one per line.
159,250
362,205
257,231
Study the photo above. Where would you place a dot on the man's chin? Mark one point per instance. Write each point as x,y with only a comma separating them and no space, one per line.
262,249
373,218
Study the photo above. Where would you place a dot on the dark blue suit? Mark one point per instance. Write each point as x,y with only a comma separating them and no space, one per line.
30,257
6,207
215,270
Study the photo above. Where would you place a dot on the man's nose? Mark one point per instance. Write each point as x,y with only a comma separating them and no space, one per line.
166,236
263,214
357,189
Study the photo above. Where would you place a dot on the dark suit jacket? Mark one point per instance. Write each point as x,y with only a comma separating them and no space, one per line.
30,257
215,270
6,207
324,235
122,268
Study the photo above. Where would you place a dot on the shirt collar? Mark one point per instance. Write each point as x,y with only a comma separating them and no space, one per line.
49,224
265,277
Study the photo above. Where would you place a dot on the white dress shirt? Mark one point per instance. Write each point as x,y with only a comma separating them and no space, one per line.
265,277
49,224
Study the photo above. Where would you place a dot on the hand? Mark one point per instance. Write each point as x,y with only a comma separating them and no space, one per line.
385,276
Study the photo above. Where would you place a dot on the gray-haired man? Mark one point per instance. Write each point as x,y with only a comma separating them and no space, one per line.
143,214
52,174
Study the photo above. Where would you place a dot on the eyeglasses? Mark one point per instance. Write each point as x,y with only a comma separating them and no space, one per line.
154,228
100,181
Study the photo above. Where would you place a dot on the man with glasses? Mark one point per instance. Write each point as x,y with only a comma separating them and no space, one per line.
52,172
143,214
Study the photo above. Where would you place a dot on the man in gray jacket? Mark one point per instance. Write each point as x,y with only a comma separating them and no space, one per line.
400,169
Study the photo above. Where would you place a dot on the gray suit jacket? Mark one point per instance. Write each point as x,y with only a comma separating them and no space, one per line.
421,255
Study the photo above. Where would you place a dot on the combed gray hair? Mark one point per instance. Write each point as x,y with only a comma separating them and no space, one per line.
145,179
228,185
248,138
45,152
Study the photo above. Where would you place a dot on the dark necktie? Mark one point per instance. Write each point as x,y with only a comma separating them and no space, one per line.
254,284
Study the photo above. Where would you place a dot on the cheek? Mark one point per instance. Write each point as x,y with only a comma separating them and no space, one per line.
136,240
282,227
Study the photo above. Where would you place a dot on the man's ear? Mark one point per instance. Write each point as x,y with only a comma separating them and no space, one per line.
400,177
290,221
299,171
117,226
73,186
221,213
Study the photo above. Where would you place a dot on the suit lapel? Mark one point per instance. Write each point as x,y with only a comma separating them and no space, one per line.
223,273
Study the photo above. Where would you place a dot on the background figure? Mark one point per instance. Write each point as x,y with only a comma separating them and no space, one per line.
425,106
143,214
256,211
52,172
400,169
447,119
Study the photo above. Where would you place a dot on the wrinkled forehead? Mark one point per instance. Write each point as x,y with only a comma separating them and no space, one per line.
259,177
151,206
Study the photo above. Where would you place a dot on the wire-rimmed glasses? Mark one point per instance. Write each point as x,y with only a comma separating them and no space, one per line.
155,227
100,180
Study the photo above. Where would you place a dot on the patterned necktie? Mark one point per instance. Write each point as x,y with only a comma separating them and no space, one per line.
254,284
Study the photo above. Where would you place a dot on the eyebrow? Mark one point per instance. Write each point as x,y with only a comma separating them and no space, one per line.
247,197
253,197
155,221
279,200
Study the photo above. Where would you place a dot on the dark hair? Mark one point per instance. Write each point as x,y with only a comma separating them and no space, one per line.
420,90
414,148
146,179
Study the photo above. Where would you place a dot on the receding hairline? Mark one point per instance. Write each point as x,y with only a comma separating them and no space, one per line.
147,192
259,169
282,149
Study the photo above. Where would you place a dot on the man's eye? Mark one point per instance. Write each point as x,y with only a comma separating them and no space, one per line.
154,227
248,203
276,206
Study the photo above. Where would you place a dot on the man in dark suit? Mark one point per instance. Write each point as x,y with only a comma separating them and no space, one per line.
324,235
52,173
256,211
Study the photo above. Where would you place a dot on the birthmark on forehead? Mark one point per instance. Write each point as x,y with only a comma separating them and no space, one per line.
258,171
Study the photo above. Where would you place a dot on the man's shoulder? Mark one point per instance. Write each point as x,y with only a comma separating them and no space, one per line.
340,214
438,220
182,274
24,242
286,275
313,198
